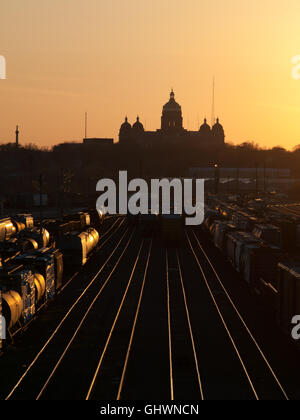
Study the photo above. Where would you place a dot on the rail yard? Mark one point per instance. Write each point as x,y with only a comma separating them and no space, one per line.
143,308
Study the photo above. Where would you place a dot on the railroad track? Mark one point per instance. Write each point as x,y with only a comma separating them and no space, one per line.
80,302
185,377
109,377
152,323
128,367
247,360
151,352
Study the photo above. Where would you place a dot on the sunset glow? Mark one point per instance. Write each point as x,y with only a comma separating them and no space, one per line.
112,58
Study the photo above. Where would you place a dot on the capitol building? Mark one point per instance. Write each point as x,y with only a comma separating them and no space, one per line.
172,131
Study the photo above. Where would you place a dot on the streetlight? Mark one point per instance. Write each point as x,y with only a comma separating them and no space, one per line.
217,178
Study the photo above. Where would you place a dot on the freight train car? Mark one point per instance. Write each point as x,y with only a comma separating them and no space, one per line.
58,228
40,235
46,256
42,265
245,245
15,246
288,229
255,260
82,217
96,218
210,217
222,229
289,294
19,226
12,307
242,221
260,263
7,229
25,219
269,234
235,242
18,294
76,247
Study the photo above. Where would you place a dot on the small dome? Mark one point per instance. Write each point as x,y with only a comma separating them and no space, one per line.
172,105
205,128
217,128
125,125
138,125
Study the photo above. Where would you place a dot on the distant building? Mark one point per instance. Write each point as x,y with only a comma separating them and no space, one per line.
242,173
68,146
172,131
86,144
98,142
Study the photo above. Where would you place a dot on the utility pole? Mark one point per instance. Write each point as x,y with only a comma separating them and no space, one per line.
256,177
17,137
41,201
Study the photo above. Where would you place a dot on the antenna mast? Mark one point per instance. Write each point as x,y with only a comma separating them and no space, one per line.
213,103
85,128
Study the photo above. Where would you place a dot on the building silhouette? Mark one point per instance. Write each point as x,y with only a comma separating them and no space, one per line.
172,131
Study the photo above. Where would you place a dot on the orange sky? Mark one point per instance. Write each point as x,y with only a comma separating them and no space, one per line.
117,57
